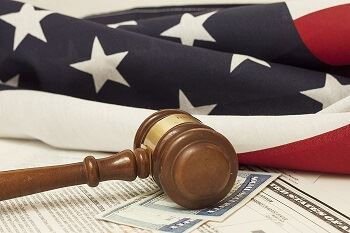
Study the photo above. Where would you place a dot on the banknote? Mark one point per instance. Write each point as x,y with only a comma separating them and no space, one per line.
130,214
157,212
248,184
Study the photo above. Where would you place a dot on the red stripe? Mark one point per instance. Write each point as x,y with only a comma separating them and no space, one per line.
328,152
327,34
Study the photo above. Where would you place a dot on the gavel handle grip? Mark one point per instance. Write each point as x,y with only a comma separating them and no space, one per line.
121,166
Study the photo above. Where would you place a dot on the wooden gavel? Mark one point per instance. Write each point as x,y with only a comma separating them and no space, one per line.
193,164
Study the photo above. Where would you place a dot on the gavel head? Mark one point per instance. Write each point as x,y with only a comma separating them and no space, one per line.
193,164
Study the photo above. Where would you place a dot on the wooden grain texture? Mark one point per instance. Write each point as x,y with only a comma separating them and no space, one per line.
193,164
121,166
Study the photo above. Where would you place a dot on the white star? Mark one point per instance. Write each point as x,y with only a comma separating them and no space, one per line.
237,59
190,28
115,25
330,93
26,21
102,67
12,82
186,106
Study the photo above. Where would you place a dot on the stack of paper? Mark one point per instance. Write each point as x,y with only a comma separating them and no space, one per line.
158,212
294,202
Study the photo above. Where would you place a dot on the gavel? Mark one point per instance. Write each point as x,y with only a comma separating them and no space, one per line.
193,164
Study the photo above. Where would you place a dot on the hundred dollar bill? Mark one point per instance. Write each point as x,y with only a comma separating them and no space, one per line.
130,214
248,184
157,212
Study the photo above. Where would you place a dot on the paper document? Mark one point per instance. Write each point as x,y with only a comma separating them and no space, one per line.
130,214
157,212
281,207
328,188
295,202
71,209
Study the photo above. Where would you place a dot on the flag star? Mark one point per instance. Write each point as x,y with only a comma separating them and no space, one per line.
26,21
190,28
102,67
125,23
237,59
186,106
330,93
12,82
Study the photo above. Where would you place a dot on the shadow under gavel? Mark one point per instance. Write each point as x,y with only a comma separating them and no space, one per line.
193,164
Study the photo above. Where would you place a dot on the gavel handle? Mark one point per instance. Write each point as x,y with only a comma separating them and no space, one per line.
126,165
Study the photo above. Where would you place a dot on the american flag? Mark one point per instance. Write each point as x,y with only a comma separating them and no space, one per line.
273,78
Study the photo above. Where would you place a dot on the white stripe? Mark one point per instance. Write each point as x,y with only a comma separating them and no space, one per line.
301,8
297,8
91,7
68,122
73,123
251,133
